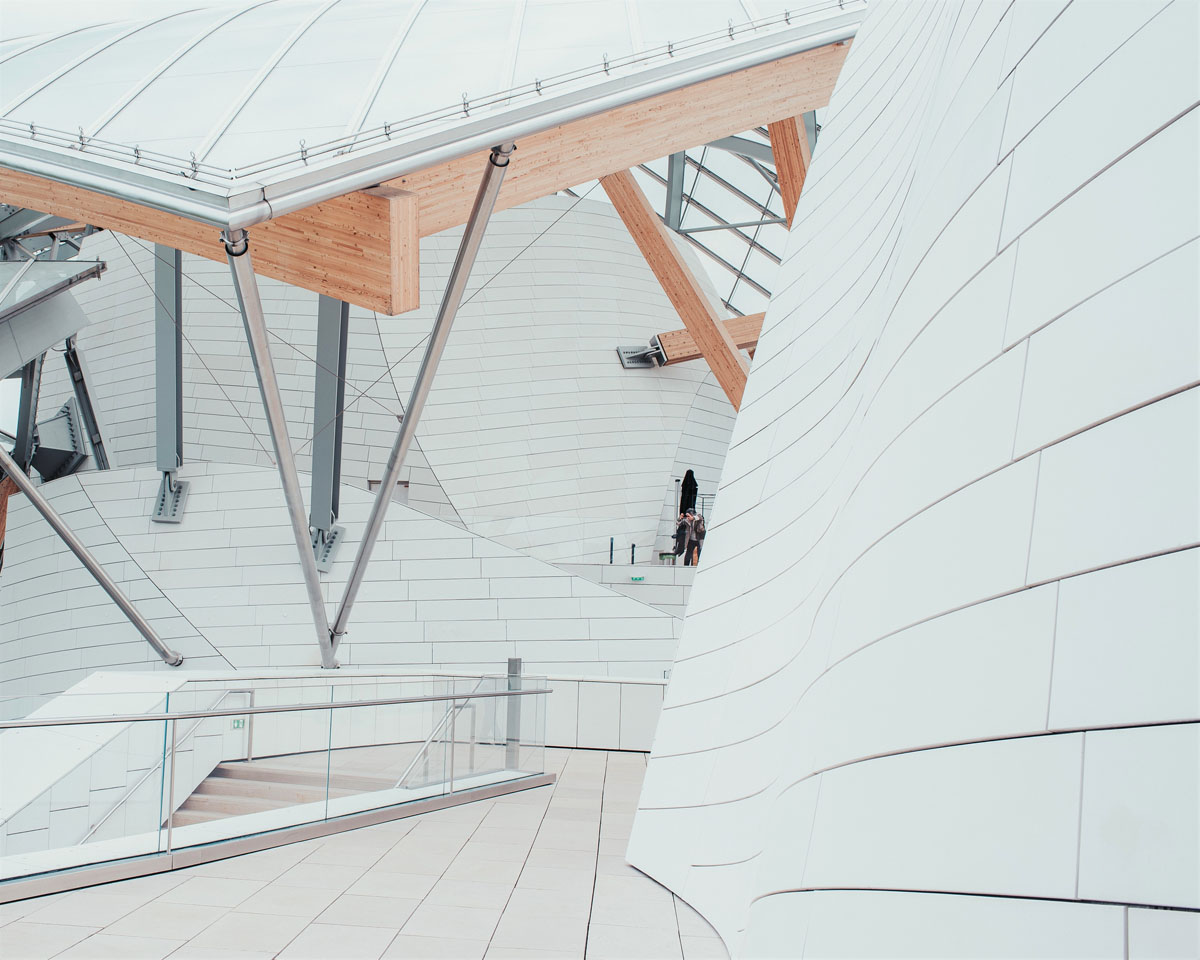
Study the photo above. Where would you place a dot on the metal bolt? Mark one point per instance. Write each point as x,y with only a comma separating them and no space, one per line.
466,105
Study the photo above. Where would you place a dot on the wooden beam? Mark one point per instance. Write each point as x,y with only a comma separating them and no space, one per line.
7,489
789,144
620,139
679,283
679,346
361,248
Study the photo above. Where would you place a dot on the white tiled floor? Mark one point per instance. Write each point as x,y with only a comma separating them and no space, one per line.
535,874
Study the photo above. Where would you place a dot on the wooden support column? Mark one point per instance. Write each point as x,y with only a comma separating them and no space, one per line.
679,347
679,283
789,144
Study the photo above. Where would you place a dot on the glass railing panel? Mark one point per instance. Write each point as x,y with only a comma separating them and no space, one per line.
247,756
239,774
73,793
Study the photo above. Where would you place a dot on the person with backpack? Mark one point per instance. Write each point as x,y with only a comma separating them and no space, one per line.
681,535
696,533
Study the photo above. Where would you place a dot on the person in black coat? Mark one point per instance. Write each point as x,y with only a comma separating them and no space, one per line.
687,493
681,535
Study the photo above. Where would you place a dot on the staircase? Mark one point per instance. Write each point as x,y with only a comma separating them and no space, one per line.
239,787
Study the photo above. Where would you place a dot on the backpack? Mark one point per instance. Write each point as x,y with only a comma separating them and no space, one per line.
698,528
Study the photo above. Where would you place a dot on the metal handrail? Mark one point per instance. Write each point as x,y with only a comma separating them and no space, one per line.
251,711
422,751
149,773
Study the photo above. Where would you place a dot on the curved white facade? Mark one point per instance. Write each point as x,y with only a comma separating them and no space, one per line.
939,688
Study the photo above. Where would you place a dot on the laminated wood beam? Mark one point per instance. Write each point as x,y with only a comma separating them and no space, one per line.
679,346
679,283
573,153
789,145
361,248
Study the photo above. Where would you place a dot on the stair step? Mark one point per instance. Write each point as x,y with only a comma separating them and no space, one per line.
283,793
263,771
229,805
185,818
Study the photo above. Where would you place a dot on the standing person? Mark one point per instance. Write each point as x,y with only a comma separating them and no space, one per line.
689,520
687,492
681,536
697,542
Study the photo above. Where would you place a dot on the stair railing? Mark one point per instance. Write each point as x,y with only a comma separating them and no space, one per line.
452,711
154,769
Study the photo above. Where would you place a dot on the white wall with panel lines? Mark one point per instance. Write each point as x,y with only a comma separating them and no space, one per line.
939,688
224,587
533,434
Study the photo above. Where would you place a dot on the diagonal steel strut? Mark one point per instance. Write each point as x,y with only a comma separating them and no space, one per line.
481,212
9,467
237,249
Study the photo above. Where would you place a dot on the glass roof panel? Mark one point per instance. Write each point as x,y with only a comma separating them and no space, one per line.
25,283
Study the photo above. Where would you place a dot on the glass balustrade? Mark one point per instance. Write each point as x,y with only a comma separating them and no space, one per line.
220,760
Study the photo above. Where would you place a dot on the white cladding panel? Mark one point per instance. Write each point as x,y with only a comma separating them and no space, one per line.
957,527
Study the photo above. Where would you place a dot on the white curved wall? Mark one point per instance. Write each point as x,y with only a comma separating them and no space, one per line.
939,688
224,587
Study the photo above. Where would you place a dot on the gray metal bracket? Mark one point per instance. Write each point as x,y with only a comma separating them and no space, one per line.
87,412
172,495
59,449
642,358
325,545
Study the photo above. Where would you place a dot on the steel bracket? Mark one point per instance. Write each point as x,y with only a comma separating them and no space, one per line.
172,494
325,545
641,358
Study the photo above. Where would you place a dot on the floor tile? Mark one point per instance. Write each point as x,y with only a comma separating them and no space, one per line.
87,908
167,921
103,946
324,876
434,948
23,940
212,891
358,911
485,871
499,952
469,893
606,942
304,902
321,941
542,930
433,920
250,931
402,886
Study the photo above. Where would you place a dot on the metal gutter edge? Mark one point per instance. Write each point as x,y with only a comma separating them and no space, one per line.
248,203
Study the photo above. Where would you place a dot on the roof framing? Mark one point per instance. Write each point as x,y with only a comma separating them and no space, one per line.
361,246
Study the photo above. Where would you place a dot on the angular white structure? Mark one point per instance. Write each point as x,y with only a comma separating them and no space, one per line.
938,691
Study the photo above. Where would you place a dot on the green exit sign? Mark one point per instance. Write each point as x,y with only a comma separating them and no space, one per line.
637,579
238,724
